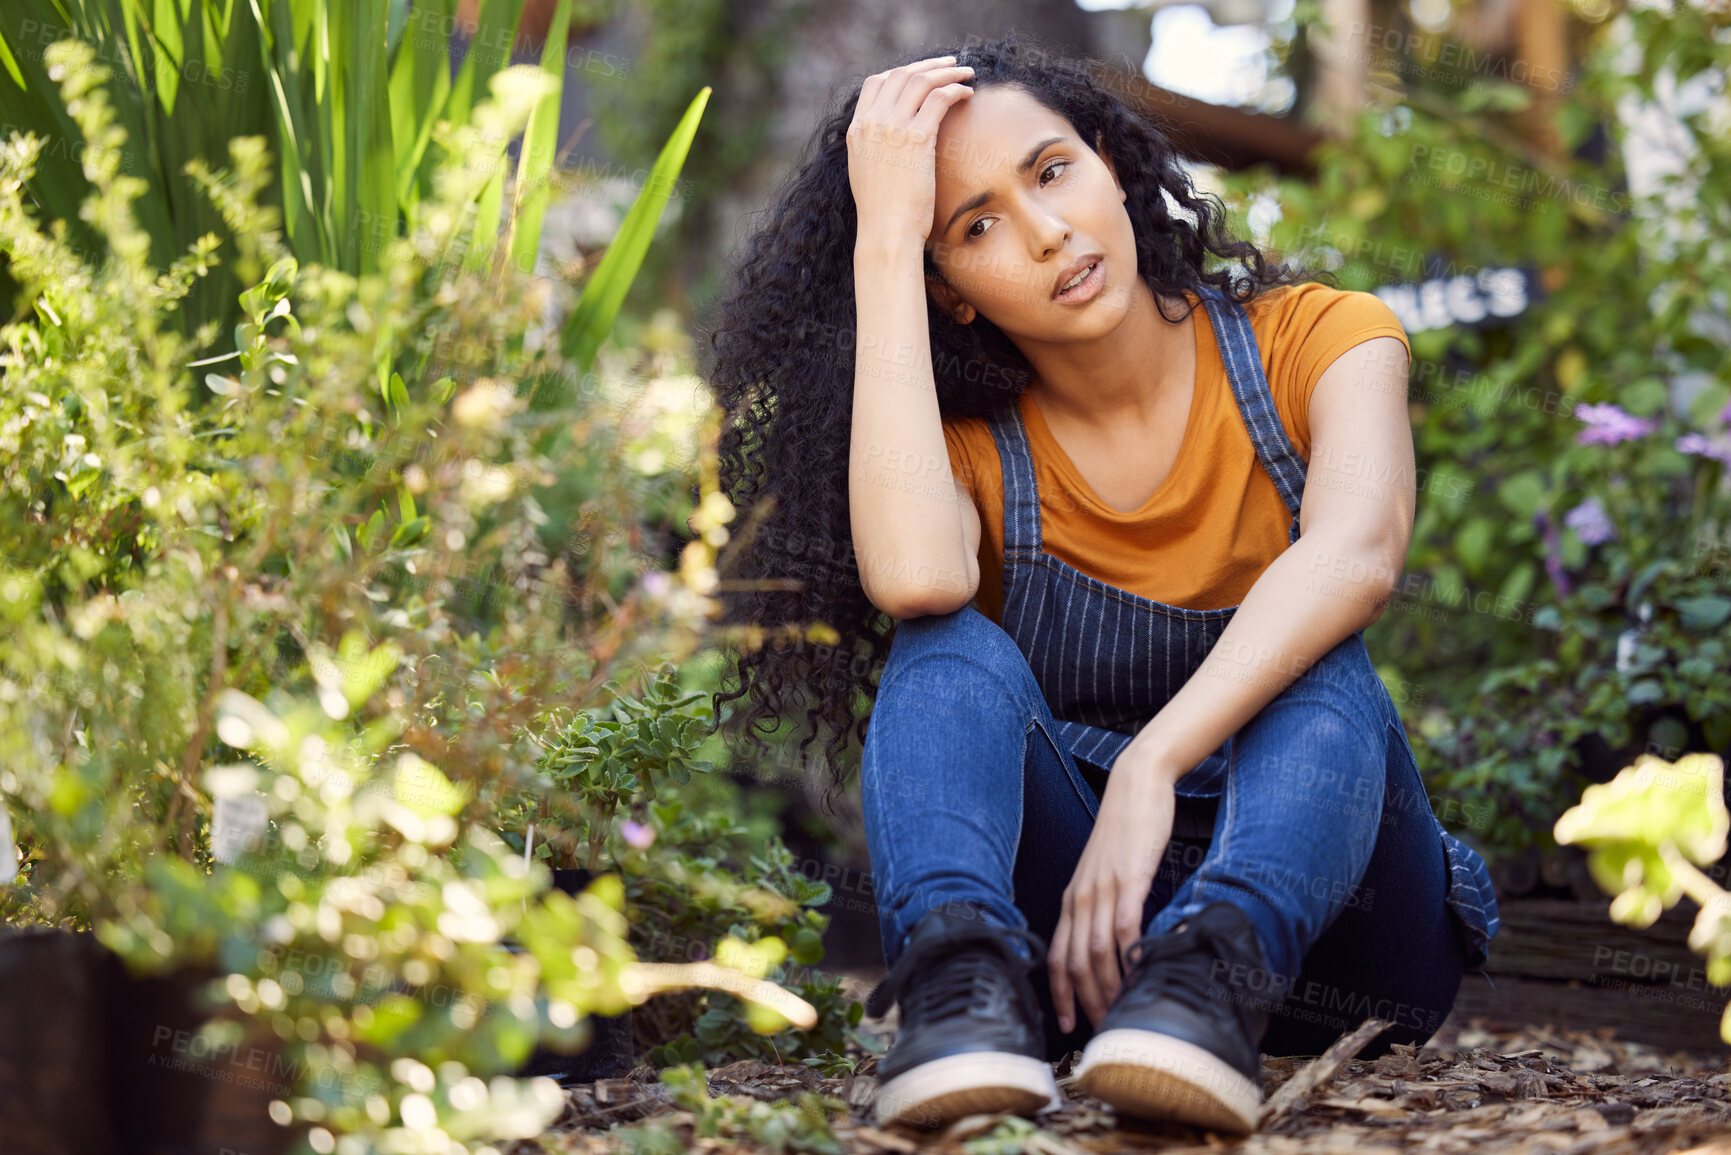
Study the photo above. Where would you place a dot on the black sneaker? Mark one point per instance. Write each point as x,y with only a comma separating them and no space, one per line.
970,1040
1181,1041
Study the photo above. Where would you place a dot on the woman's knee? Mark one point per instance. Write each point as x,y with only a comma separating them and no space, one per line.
1312,753
965,637
1344,676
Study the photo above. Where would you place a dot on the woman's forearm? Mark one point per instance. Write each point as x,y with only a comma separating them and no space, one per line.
906,518
1315,594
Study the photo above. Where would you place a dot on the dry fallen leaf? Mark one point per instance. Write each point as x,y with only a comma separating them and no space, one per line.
1369,1105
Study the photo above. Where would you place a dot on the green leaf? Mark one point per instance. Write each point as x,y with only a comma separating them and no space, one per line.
365,670
592,319
420,786
1707,612
391,1016
1522,493
369,532
420,87
1473,546
1649,809
10,61
411,533
496,25
540,139
1519,583
1642,581
1705,406
1644,692
398,393
364,185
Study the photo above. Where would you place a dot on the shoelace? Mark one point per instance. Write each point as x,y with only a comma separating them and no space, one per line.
961,978
1187,973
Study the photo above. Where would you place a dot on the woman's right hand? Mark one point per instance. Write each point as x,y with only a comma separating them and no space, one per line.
894,139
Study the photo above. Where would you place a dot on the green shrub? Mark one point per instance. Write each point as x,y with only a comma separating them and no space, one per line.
286,626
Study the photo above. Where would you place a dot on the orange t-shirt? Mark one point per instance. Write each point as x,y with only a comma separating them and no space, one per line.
1217,521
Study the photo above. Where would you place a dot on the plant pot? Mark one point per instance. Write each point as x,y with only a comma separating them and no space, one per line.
94,1061
612,1049
52,1079
169,1092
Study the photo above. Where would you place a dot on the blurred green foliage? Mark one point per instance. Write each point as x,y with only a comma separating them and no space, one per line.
286,638
803,1124
357,104
1646,831
1565,590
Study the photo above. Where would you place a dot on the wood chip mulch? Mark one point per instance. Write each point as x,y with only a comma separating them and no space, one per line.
1471,1089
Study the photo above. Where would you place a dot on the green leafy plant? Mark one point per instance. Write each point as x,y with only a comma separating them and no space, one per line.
346,98
1015,1135
1646,833
278,642
603,763
804,1124
359,107
1557,597
761,911
1653,683
356,937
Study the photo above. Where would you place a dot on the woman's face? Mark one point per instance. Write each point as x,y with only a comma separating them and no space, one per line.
1020,197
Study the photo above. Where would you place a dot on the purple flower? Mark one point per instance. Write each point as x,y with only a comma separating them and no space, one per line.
1590,522
1697,445
636,834
1608,424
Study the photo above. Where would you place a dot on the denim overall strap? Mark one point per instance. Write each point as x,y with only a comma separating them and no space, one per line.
1255,403
1021,499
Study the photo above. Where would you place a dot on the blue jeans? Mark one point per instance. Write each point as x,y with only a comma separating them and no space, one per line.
1316,834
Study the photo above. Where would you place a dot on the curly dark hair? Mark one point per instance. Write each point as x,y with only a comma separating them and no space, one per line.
782,353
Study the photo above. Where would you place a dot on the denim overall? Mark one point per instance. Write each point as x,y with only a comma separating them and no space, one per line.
1107,660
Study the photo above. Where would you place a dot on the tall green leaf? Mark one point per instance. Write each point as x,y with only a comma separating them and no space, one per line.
540,139
365,189
593,317
420,86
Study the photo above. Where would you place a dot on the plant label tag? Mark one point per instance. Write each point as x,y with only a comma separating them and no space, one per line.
8,851
236,825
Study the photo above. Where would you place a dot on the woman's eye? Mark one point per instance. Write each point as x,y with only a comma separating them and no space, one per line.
971,235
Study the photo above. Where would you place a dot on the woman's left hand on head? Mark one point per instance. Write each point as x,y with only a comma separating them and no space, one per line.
1102,911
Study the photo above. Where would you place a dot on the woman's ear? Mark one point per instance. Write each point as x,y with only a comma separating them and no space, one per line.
1100,149
959,310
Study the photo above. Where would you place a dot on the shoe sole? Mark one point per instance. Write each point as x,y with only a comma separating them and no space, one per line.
1158,1076
971,1083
